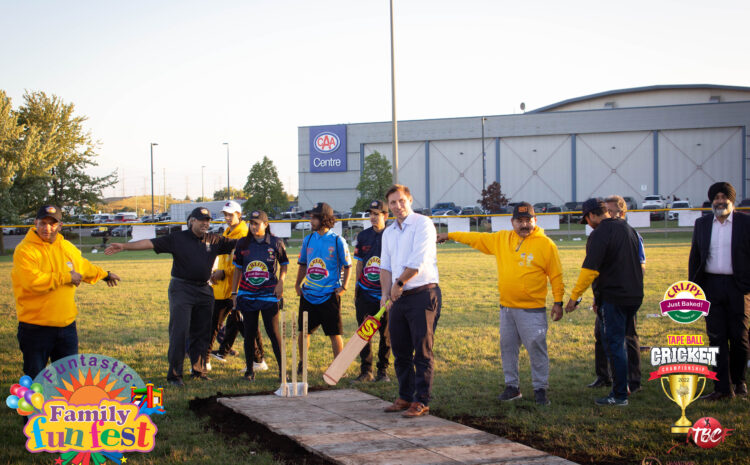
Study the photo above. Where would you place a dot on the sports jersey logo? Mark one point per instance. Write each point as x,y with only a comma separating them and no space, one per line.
317,269
372,269
256,273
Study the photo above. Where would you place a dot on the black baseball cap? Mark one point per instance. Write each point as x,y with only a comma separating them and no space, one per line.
523,210
200,213
49,211
321,209
590,205
259,215
378,207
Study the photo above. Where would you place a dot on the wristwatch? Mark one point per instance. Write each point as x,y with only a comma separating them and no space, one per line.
558,303
399,283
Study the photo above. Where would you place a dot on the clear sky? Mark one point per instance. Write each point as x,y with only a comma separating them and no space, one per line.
191,75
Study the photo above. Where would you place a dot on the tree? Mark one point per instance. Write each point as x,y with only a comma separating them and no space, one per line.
263,189
221,194
374,181
493,198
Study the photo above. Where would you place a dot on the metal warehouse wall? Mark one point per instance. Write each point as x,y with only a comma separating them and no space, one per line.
550,157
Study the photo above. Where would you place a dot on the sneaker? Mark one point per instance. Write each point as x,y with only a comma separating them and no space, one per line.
262,366
177,383
382,376
540,397
598,382
416,409
218,356
510,393
610,400
208,366
233,352
363,378
202,377
740,389
398,406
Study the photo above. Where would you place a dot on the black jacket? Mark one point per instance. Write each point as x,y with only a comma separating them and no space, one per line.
740,250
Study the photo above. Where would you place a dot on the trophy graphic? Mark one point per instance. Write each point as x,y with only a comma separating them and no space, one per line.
684,390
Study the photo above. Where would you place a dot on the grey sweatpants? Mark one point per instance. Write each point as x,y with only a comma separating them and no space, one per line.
528,327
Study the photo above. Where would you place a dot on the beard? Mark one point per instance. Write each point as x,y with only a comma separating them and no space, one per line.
721,209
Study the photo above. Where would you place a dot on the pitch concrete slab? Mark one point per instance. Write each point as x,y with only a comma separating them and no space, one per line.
349,427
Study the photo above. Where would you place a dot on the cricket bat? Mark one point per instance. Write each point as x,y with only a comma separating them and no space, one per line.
353,347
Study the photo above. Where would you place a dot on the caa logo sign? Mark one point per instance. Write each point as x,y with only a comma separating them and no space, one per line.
327,142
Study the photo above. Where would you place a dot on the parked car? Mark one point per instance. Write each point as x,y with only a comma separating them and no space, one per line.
164,229
362,220
744,203
675,215
631,203
472,210
101,231
541,207
217,228
303,226
707,204
441,207
654,200
122,231
655,216
573,207
441,218
289,215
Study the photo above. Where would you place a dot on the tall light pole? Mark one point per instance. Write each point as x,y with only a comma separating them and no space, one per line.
229,194
152,179
484,158
393,106
203,194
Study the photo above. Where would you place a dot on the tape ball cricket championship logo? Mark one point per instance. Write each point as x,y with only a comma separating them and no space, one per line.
95,409
685,302
256,273
317,269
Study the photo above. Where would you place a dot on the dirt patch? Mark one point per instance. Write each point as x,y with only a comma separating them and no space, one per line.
496,426
232,425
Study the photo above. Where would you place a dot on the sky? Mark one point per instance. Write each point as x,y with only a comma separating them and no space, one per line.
192,75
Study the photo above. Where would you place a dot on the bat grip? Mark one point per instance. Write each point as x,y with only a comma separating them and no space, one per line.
379,315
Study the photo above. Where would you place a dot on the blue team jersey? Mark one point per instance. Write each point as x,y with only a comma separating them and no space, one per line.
368,252
257,263
325,256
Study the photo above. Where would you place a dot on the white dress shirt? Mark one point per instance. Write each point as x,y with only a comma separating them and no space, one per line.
411,245
719,259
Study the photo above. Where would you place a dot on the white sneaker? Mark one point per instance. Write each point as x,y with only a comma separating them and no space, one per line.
244,369
208,366
262,366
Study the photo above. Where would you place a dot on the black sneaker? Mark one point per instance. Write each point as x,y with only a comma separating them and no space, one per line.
510,393
598,382
363,378
176,383
382,376
740,389
540,397
218,356
233,352
201,377
609,400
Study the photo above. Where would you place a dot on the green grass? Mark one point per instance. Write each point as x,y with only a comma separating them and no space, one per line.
130,323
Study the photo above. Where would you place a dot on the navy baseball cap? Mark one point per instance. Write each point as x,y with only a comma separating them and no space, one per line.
200,213
590,205
523,210
49,211
378,207
321,209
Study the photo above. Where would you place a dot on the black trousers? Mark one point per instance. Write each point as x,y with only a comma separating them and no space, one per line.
270,312
632,348
234,326
190,311
727,327
365,307
412,322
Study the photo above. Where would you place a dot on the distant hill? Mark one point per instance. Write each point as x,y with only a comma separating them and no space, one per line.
142,202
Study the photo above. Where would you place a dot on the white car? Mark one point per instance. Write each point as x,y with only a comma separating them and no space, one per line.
442,218
303,226
675,215
655,200
362,221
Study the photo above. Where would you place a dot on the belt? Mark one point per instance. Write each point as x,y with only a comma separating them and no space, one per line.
419,289
192,283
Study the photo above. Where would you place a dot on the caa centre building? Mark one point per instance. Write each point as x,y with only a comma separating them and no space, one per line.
673,140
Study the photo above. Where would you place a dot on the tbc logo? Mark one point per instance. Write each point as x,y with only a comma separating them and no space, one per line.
326,142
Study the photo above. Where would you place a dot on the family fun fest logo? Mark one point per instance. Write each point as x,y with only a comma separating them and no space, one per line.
685,302
94,408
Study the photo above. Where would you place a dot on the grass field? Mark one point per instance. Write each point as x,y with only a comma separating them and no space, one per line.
130,323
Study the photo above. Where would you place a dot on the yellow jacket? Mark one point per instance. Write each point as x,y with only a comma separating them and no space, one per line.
42,282
222,289
523,265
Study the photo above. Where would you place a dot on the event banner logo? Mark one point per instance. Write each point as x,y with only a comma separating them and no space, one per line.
683,367
327,148
89,408
684,302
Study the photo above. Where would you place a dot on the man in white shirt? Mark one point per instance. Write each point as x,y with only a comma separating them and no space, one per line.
720,264
409,279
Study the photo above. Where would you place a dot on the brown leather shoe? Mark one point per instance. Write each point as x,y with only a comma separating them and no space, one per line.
416,409
398,406
716,395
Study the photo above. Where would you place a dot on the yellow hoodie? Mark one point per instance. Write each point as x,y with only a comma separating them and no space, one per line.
41,279
523,265
223,288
